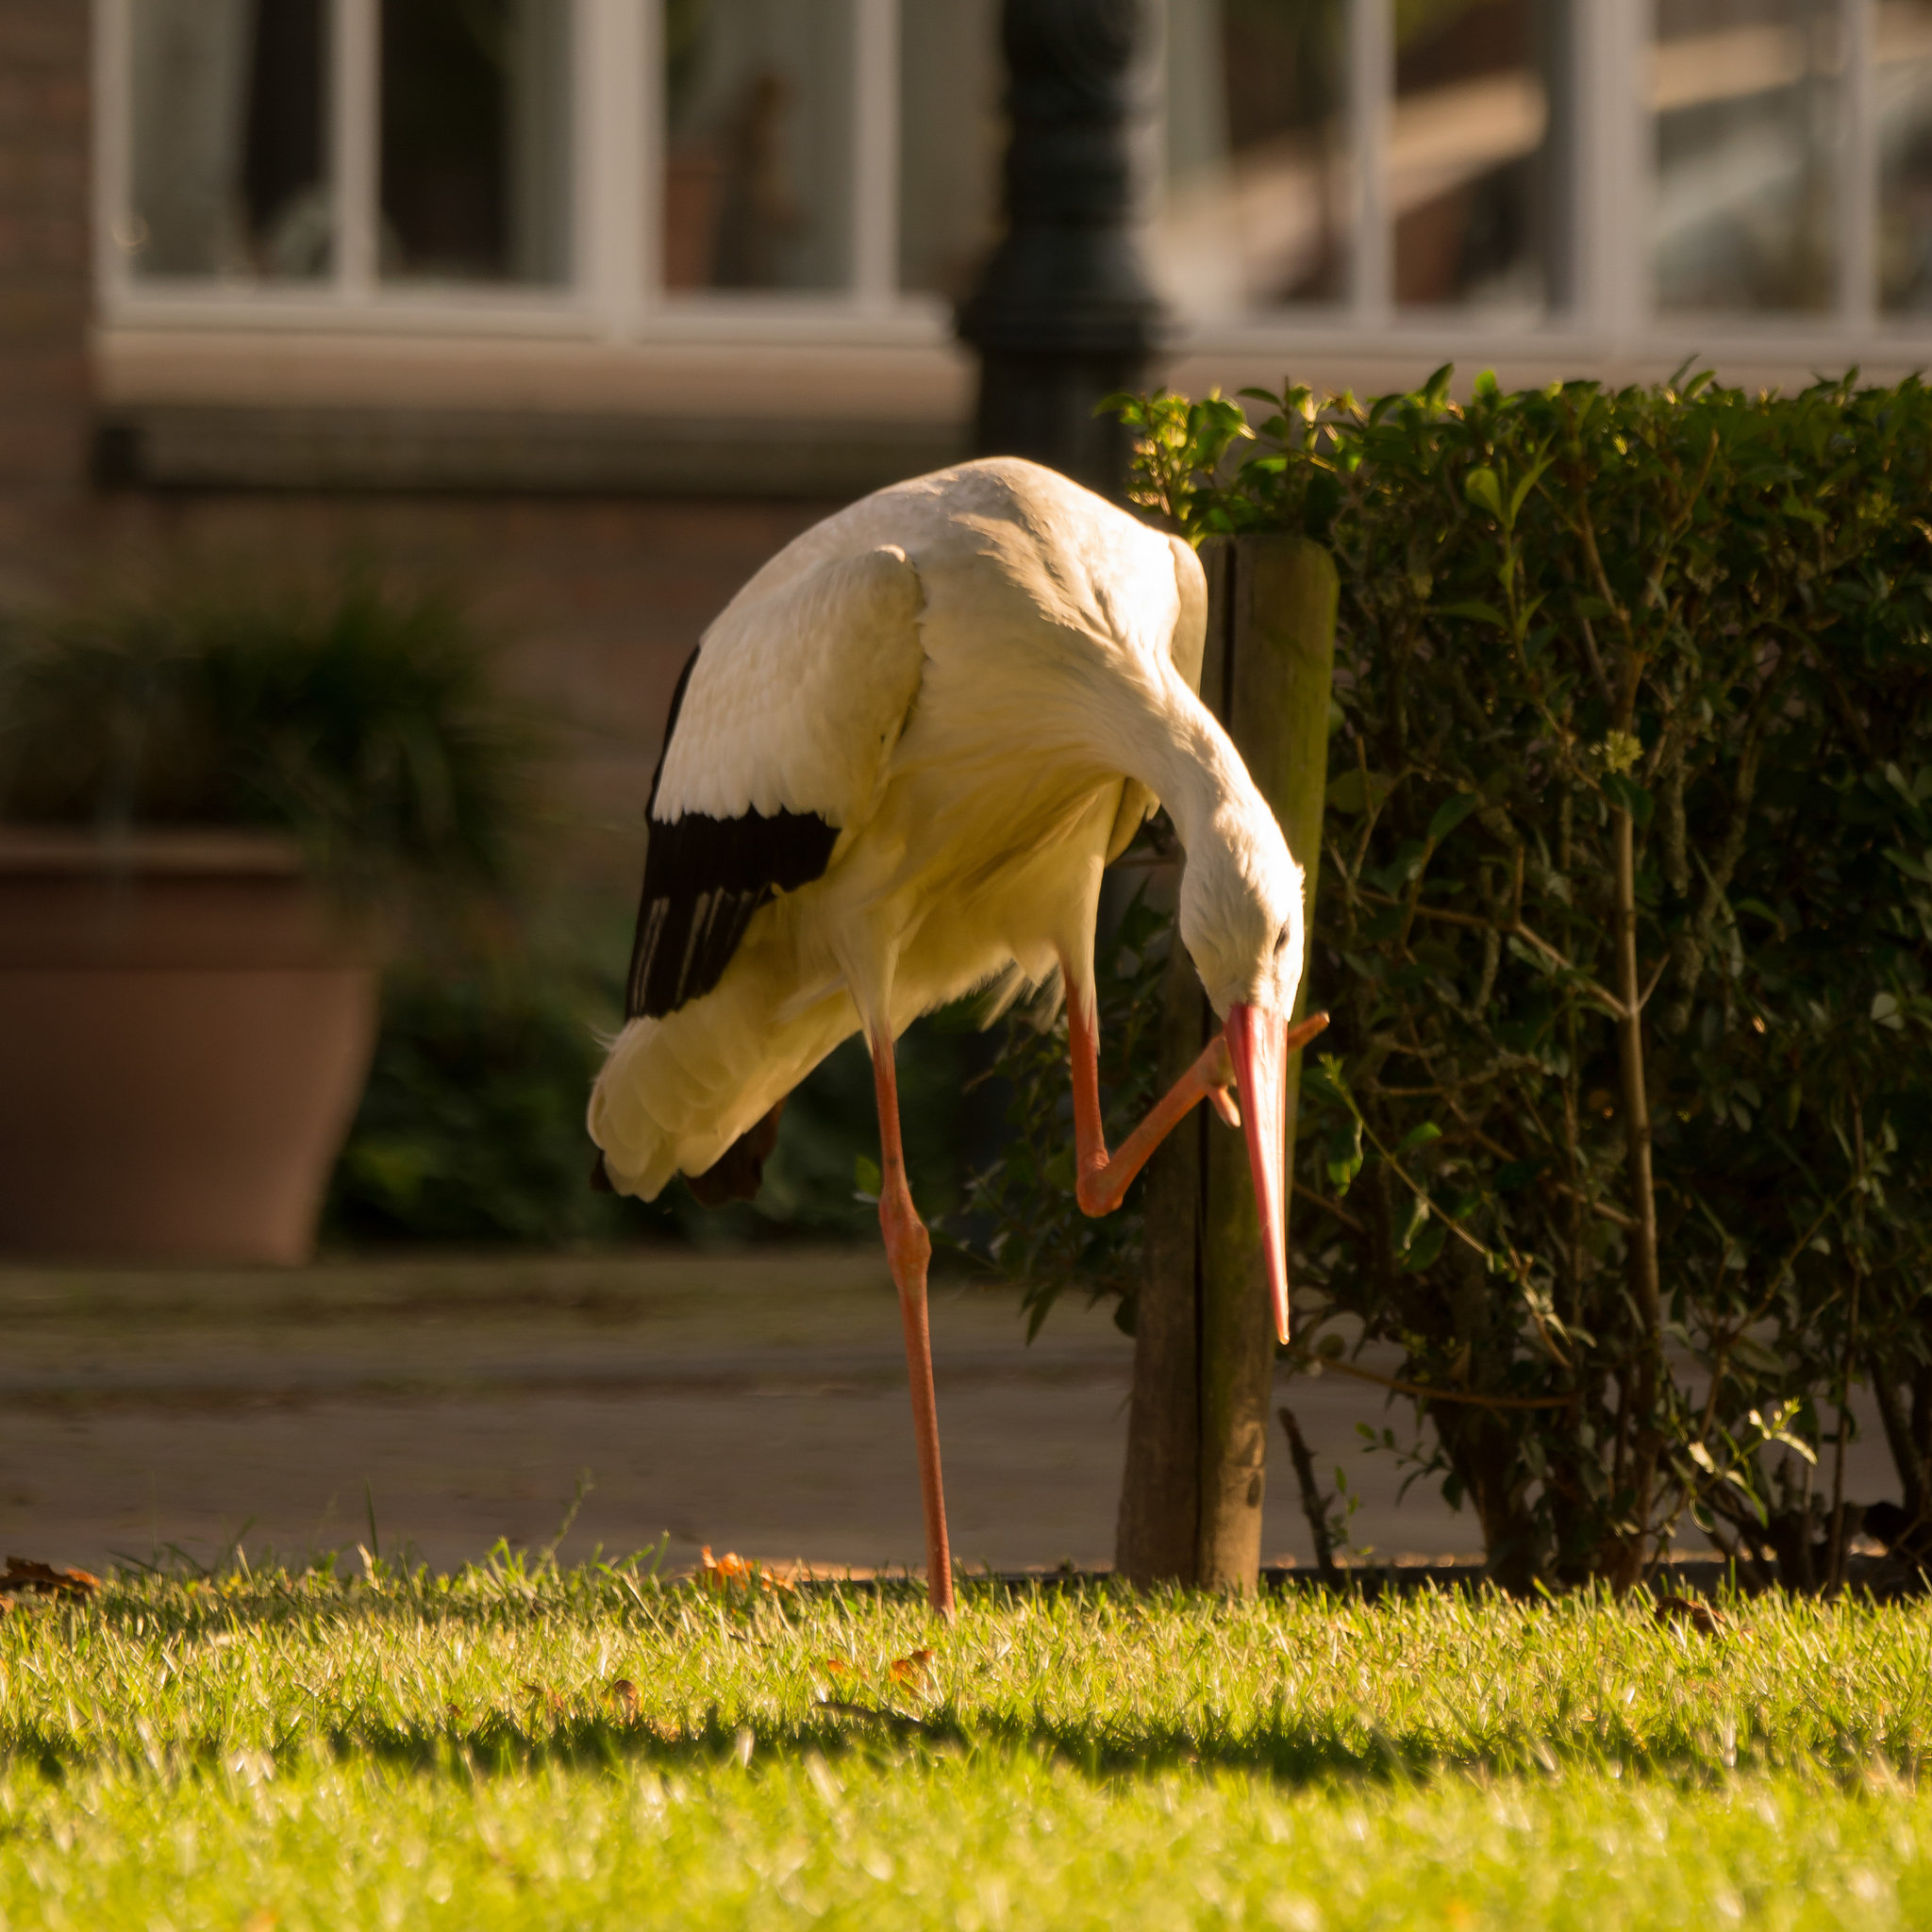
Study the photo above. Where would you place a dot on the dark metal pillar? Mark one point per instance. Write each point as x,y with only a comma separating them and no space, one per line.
1065,313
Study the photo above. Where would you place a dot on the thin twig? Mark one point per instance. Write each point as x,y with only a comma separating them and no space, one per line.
1719,1358
1513,928
1643,998
1314,1506
1596,662
1844,1376
1334,1208
1615,1216
1421,1389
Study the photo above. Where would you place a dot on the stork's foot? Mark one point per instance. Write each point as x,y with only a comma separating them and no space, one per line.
1104,1177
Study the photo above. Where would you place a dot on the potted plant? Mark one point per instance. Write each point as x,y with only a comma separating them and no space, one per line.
213,820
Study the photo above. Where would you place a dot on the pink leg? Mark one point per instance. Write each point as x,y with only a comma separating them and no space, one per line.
909,1248
1104,1179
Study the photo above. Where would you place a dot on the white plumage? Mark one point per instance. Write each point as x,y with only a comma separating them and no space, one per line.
934,717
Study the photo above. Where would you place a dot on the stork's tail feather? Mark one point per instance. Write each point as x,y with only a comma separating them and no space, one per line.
739,1171
700,1093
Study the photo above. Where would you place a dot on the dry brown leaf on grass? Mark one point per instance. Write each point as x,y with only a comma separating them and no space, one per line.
23,1574
916,1669
624,1693
722,1572
1685,1609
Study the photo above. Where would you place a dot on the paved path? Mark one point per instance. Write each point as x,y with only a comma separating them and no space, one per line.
755,1402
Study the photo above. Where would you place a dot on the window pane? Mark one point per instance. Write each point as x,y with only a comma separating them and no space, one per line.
1747,95
758,111
1471,171
476,131
952,139
1258,171
1904,100
227,139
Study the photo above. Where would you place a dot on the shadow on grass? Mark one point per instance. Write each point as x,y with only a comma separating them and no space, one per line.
1289,1750
1292,1752
1289,1741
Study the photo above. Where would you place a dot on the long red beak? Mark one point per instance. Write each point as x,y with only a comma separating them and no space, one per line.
1259,1042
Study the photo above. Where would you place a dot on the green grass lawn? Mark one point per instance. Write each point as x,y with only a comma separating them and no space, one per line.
291,1752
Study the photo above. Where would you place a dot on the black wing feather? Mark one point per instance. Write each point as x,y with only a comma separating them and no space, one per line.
704,879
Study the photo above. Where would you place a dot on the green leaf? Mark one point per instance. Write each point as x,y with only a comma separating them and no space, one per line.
1418,1218
1483,490
1476,608
867,1181
1752,1355
1344,1155
1449,814
1630,795
1348,793
1419,1135
1422,1252
1525,485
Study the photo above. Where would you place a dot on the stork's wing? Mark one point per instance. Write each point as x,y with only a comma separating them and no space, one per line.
779,734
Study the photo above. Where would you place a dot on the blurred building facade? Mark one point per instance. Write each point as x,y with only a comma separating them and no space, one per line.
587,305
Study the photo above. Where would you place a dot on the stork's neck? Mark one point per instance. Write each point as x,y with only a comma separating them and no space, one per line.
1176,748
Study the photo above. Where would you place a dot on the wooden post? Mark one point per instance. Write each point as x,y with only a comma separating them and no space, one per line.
1203,1346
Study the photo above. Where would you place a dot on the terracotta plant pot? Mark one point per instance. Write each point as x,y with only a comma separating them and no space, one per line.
185,1029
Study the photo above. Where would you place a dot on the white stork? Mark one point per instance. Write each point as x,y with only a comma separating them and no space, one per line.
895,769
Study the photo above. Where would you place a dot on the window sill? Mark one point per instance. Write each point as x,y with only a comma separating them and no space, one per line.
801,367
800,413
497,452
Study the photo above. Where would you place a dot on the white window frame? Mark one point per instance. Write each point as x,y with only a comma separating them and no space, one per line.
615,298
1613,325
614,292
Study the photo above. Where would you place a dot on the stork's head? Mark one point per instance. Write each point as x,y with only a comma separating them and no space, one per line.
1241,910
1240,920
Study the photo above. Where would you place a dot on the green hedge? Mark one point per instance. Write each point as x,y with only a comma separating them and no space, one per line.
363,721
1655,661
471,1129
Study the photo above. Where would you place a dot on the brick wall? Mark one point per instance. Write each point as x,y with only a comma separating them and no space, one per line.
598,599
45,239
598,602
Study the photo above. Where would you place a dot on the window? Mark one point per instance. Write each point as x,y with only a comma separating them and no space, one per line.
240,110
951,138
1260,188
1747,98
1398,176
474,157
1468,151
758,164
1903,105
229,176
